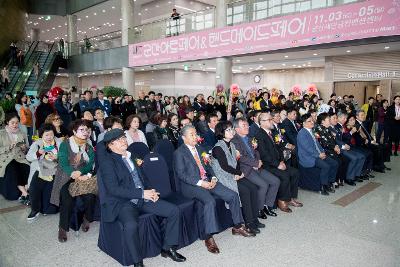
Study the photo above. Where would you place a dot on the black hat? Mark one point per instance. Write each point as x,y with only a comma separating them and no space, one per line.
113,135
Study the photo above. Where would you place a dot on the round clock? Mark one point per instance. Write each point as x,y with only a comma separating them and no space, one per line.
257,78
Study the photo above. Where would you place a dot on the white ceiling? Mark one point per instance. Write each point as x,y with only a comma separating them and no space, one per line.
104,18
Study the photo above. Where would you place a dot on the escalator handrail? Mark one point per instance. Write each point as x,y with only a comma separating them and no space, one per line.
44,64
27,53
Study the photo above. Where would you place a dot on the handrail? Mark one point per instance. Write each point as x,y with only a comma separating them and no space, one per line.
44,64
26,73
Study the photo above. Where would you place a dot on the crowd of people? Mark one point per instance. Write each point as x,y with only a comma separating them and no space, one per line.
247,153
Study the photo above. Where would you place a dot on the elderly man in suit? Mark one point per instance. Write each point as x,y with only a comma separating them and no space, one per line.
273,161
251,166
102,103
126,195
311,154
198,181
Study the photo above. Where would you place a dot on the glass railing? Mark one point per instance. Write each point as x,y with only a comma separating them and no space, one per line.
186,23
46,67
252,10
95,43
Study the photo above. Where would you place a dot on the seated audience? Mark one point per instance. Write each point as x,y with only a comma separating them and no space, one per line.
290,127
209,137
133,134
161,131
173,130
59,130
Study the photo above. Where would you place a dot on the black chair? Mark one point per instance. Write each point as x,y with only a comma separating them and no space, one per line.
140,149
309,178
151,140
8,188
112,238
156,171
166,149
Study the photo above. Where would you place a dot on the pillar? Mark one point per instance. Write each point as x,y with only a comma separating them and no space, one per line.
35,34
223,73
220,13
130,18
128,80
72,46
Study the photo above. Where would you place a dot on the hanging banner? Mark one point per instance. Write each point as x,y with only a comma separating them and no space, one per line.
342,23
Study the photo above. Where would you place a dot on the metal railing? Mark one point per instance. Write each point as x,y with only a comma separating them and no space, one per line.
186,23
47,65
95,43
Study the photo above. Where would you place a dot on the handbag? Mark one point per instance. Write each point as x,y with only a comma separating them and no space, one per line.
88,186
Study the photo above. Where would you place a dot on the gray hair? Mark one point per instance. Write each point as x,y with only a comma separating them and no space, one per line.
186,128
237,121
341,114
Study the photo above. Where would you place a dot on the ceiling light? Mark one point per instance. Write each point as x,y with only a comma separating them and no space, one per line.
304,65
250,68
95,13
79,19
237,60
315,54
92,73
283,64
86,16
146,9
48,30
139,14
28,36
113,7
65,24
59,26
294,65
387,47
348,51
53,28
260,58
104,11
141,69
286,56
157,6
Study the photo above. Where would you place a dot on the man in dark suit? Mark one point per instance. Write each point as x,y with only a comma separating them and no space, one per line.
157,104
290,127
311,154
101,102
251,166
273,161
198,181
209,137
265,103
126,194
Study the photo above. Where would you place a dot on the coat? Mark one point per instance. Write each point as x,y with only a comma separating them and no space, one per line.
306,149
7,155
247,160
290,131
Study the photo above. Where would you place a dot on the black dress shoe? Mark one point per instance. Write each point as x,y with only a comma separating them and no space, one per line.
138,264
395,153
252,228
269,212
173,254
365,177
388,169
262,215
324,190
359,179
330,189
259,225
350,182
370,175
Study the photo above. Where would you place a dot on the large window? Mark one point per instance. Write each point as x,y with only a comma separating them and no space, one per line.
201,21
236,14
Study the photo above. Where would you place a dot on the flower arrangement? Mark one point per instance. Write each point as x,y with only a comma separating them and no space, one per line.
205,157
220,91
282,131
296,90
254,143
237,155
139,162
200,139
53,93
235,90
35,137
312,90
278,139
274,96
317,136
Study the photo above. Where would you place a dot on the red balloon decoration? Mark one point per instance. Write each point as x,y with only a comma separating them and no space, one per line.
53,93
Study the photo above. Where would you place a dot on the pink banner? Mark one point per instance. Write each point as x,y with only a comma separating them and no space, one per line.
342,23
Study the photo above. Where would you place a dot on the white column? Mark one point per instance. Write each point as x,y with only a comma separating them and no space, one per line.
220,13
128,80
223,73
72,46
35,34
130,17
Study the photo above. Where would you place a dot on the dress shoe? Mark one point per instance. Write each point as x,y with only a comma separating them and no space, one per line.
62,235
138,264
350,182
324,191
258,224
341,183
282,205
173,254
269,212
370,175
85,225
242,231
211,245
330,189
388,169
336,185
359,179
395,154
262,215
380,170
252,228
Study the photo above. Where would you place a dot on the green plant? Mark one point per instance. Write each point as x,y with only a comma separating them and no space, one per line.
113,91
8,105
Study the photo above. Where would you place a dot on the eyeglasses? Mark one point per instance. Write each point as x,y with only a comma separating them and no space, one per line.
230,130
267,120
83,129
57,119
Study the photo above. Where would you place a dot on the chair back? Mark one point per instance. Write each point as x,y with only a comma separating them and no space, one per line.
151,140
156,171
165,148
140,149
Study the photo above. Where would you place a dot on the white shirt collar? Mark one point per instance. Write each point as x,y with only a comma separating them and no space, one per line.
128,155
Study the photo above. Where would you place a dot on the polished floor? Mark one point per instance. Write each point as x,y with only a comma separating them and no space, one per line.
356,226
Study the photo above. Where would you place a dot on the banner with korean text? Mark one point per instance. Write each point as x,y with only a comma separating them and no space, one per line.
342,23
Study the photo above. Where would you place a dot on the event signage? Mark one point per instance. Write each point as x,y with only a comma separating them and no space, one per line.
341,23
373,75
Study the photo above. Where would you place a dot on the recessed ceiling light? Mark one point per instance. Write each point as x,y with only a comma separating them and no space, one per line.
237,60
113,7
304,65
95,13
283,64
146,9
348,51
387,47
59,26
104,11
86,16
141,69
260,58
286,56
48,30
294,65
79,19
315,54
53,28
139,14
157,6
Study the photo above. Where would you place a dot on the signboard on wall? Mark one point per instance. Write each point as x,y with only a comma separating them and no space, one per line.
374,75
342,23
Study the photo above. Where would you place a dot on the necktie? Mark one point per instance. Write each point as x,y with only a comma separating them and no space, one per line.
198,162
315,142
246,142
136,180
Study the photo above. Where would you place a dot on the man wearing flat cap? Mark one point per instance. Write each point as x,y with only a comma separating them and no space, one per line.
126,195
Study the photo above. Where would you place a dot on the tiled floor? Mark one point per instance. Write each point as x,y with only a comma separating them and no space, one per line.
364,233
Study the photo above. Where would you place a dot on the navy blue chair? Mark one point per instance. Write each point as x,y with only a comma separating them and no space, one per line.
156,171
139,149
151,140
112,238
78,212
309,178
166,149
8,188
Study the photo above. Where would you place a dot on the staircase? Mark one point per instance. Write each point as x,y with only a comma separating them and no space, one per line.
32,79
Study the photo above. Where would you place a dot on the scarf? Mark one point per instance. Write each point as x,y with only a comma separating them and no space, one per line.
78,146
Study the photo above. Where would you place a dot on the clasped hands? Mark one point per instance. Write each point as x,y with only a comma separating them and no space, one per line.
77,175
209,185
151,195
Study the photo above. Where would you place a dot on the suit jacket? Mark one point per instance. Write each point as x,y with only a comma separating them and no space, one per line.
154,106
106,107
290,131
306,149
277,131
119,186
265,105
337,131
209,139
247,160
270,154
253,130
185,166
